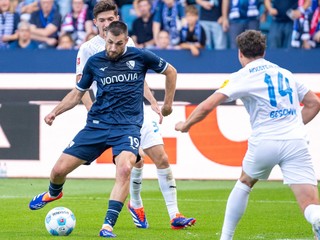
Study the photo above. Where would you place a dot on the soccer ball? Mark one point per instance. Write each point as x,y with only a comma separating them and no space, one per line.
60,221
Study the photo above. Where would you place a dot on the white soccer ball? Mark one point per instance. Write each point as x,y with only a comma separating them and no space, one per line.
60,221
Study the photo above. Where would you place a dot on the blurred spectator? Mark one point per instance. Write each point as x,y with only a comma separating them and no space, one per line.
65,42
163,41
8,24
120,3
13,5
26,7
211,21
90,4
142,27
153,3
301,24
45,24
24,37
283,13
193,36
238,16
128,15
77,22
64,6
265,20
315,27
169,15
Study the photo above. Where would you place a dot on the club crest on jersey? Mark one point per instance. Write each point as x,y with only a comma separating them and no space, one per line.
131,64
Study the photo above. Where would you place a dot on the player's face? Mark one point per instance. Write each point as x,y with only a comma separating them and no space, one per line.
103,20
115,45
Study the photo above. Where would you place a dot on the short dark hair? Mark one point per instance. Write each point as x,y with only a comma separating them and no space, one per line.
191,9
252,43
117,28
105,6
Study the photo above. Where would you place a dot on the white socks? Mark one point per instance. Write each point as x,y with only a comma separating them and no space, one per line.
135,187
167,185
236,206
169,191
312,213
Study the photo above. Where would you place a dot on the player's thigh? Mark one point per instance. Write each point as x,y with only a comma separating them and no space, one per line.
260,158
296,163
150,134
66,164
158,155
88,144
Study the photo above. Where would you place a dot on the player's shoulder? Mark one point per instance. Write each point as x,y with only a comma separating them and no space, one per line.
142,51
93,45
97,56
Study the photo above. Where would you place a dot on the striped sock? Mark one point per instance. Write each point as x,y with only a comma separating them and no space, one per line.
113,212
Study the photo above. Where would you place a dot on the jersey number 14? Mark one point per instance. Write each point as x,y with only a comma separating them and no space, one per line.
283,92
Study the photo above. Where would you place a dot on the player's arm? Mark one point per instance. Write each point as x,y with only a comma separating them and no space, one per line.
82,58
201,111
43,32
311,106
86,99
154,104
68,102
225,15
170,89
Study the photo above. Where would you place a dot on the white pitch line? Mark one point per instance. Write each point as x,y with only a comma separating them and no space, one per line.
158,199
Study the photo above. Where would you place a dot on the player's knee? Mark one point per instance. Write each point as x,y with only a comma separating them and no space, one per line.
124,170
161,161
58,172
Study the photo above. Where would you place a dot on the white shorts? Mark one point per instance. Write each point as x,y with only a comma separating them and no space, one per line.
292,156
150,131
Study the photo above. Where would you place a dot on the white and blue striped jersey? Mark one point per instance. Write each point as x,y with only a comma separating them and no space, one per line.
271,96
120,86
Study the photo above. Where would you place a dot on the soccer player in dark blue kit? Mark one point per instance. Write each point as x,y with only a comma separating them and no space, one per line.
114,119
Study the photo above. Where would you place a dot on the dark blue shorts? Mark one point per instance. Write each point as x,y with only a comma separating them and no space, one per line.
90,142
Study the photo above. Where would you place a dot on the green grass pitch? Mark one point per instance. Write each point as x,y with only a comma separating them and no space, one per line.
272,212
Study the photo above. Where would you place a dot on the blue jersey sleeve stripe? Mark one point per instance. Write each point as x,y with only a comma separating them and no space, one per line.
81,89
165,68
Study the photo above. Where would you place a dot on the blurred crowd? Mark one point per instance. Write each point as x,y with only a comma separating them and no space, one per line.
162,24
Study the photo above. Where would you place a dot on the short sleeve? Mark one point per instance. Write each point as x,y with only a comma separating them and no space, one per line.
87,77
154,62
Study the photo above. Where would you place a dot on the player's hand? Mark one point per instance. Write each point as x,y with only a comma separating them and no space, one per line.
166,110
180,126
49,118
155,107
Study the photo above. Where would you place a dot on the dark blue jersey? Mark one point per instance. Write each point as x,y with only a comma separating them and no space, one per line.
120,84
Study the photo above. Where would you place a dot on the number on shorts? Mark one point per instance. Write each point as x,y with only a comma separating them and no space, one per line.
134,142
155,126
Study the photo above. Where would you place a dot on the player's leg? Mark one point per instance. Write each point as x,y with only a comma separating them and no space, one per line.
65,164
307,198
167,185
298,172
257,164
124,163
236,205
136,183
86,145
135,204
